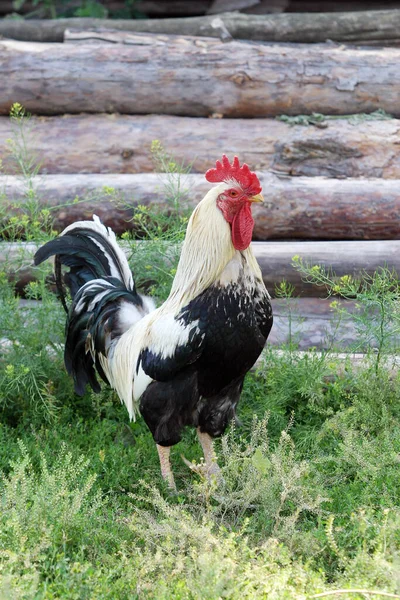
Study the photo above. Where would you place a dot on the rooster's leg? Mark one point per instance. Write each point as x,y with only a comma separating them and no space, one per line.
166,471
210,458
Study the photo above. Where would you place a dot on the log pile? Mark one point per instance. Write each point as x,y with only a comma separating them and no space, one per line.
206,85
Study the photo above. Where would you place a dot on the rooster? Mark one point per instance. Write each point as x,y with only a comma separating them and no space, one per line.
182,364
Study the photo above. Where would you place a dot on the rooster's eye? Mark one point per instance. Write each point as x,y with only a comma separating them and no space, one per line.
233,193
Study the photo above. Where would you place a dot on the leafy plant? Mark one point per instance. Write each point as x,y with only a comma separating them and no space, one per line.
267,482
32,380
197,559
377,298
320,120
162,227
30,221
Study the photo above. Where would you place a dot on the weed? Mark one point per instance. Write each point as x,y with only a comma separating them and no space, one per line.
163,228
31,221
285,291
377,298
267,482
198,559
320,120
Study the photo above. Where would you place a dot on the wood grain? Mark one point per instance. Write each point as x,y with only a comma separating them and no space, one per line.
121,144
356,27
299,208
199,77
344,258
365,27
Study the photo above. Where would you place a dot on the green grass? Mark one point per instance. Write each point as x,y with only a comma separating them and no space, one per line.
309,500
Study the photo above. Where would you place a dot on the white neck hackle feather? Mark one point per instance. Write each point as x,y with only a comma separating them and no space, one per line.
206,251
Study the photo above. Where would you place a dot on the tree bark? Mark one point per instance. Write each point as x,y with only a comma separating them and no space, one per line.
369,27
197,77
365,27
274,258
301,208
121,144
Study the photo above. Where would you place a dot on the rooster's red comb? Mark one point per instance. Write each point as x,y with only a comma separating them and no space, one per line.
226,171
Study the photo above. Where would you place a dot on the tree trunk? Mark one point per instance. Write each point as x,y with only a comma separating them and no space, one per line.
300,208
197,77
121,144
365,27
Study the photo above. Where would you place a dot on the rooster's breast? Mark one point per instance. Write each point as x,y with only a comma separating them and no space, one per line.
235,320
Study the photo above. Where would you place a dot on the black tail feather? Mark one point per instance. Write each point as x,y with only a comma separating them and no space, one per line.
80,252
101,285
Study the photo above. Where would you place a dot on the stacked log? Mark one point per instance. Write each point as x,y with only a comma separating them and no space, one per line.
302,208
365,27
198,77
102,143
330,183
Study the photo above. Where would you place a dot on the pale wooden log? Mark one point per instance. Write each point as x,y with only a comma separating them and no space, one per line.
380,27
313,324
359,27
218,29
317,208
344,258
189,76
303,208
274,258
121,144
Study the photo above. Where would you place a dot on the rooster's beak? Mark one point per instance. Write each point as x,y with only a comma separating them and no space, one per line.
258,198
